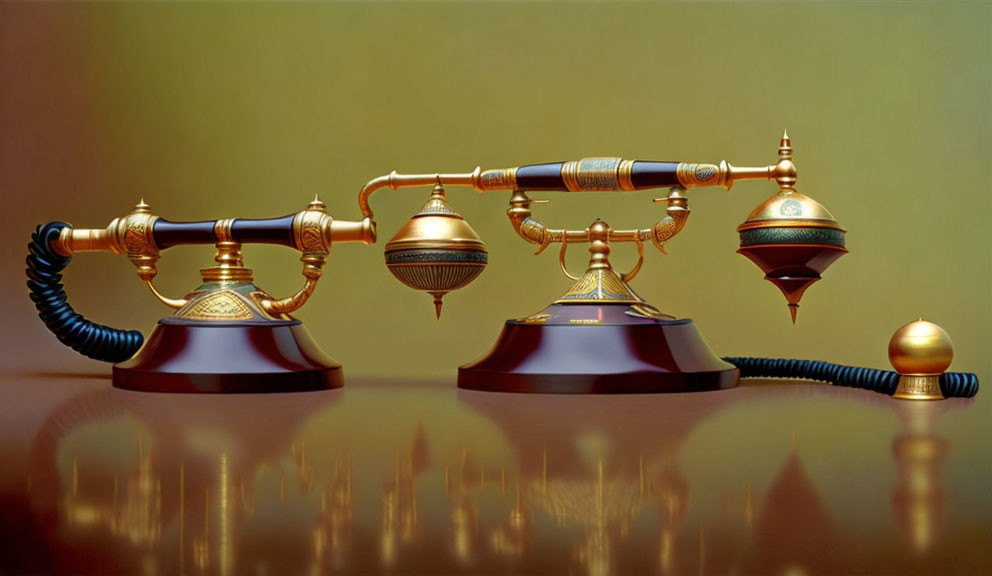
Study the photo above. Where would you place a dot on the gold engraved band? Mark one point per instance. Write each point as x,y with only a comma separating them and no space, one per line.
308,228
501,179
690,175
591,174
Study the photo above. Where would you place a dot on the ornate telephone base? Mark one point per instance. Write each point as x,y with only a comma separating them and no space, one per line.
228,336
600,337
598,349
208,357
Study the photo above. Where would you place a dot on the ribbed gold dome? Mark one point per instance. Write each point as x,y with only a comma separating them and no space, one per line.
789,205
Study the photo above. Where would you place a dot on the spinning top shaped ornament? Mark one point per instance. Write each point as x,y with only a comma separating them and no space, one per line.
436,251
791,237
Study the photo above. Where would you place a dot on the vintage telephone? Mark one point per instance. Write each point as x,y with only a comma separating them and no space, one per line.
599,337
227,335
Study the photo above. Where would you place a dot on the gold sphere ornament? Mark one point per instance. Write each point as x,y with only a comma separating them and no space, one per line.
920,352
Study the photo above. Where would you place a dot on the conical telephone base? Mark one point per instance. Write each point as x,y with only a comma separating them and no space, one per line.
599,348
223,342
199,357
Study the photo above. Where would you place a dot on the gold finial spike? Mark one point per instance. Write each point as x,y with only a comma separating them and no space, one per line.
317,204
141,206
438,190
438,303
793,310
785,146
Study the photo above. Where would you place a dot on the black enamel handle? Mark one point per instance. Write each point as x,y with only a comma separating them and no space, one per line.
244,230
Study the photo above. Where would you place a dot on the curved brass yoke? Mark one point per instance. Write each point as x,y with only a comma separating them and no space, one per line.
313,231
535,232
313,263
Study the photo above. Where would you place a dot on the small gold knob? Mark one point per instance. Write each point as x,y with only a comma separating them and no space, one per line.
920,352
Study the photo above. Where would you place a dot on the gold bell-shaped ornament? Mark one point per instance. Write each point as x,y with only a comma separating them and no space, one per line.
790,236
436,251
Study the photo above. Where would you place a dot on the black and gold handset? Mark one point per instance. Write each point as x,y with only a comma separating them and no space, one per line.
227,335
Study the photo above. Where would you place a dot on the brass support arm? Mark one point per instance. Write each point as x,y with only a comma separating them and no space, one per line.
534,231
395,181
313,264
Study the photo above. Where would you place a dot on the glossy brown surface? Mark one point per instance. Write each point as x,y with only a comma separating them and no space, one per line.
185,357
598,349
421,478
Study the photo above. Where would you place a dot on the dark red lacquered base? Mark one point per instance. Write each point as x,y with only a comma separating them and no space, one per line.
214,358
620,354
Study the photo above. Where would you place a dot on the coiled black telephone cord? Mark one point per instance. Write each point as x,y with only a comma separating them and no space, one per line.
952,384
93,340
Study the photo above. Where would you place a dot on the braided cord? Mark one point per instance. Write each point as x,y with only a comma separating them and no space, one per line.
952,384
71,328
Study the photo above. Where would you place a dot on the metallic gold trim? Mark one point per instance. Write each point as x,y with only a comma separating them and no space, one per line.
640,261
569,175
175,303
222,229
463,244
501,179
217,305
313,264
694,175
312,228
134,232
395,181
561,259
919,387
591,175
625,175
784,172
599,286
72,240
230,265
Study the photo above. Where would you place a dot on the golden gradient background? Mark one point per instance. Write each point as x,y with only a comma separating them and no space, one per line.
220,110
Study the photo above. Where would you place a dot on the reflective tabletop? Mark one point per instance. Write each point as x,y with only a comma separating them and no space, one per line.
420,477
